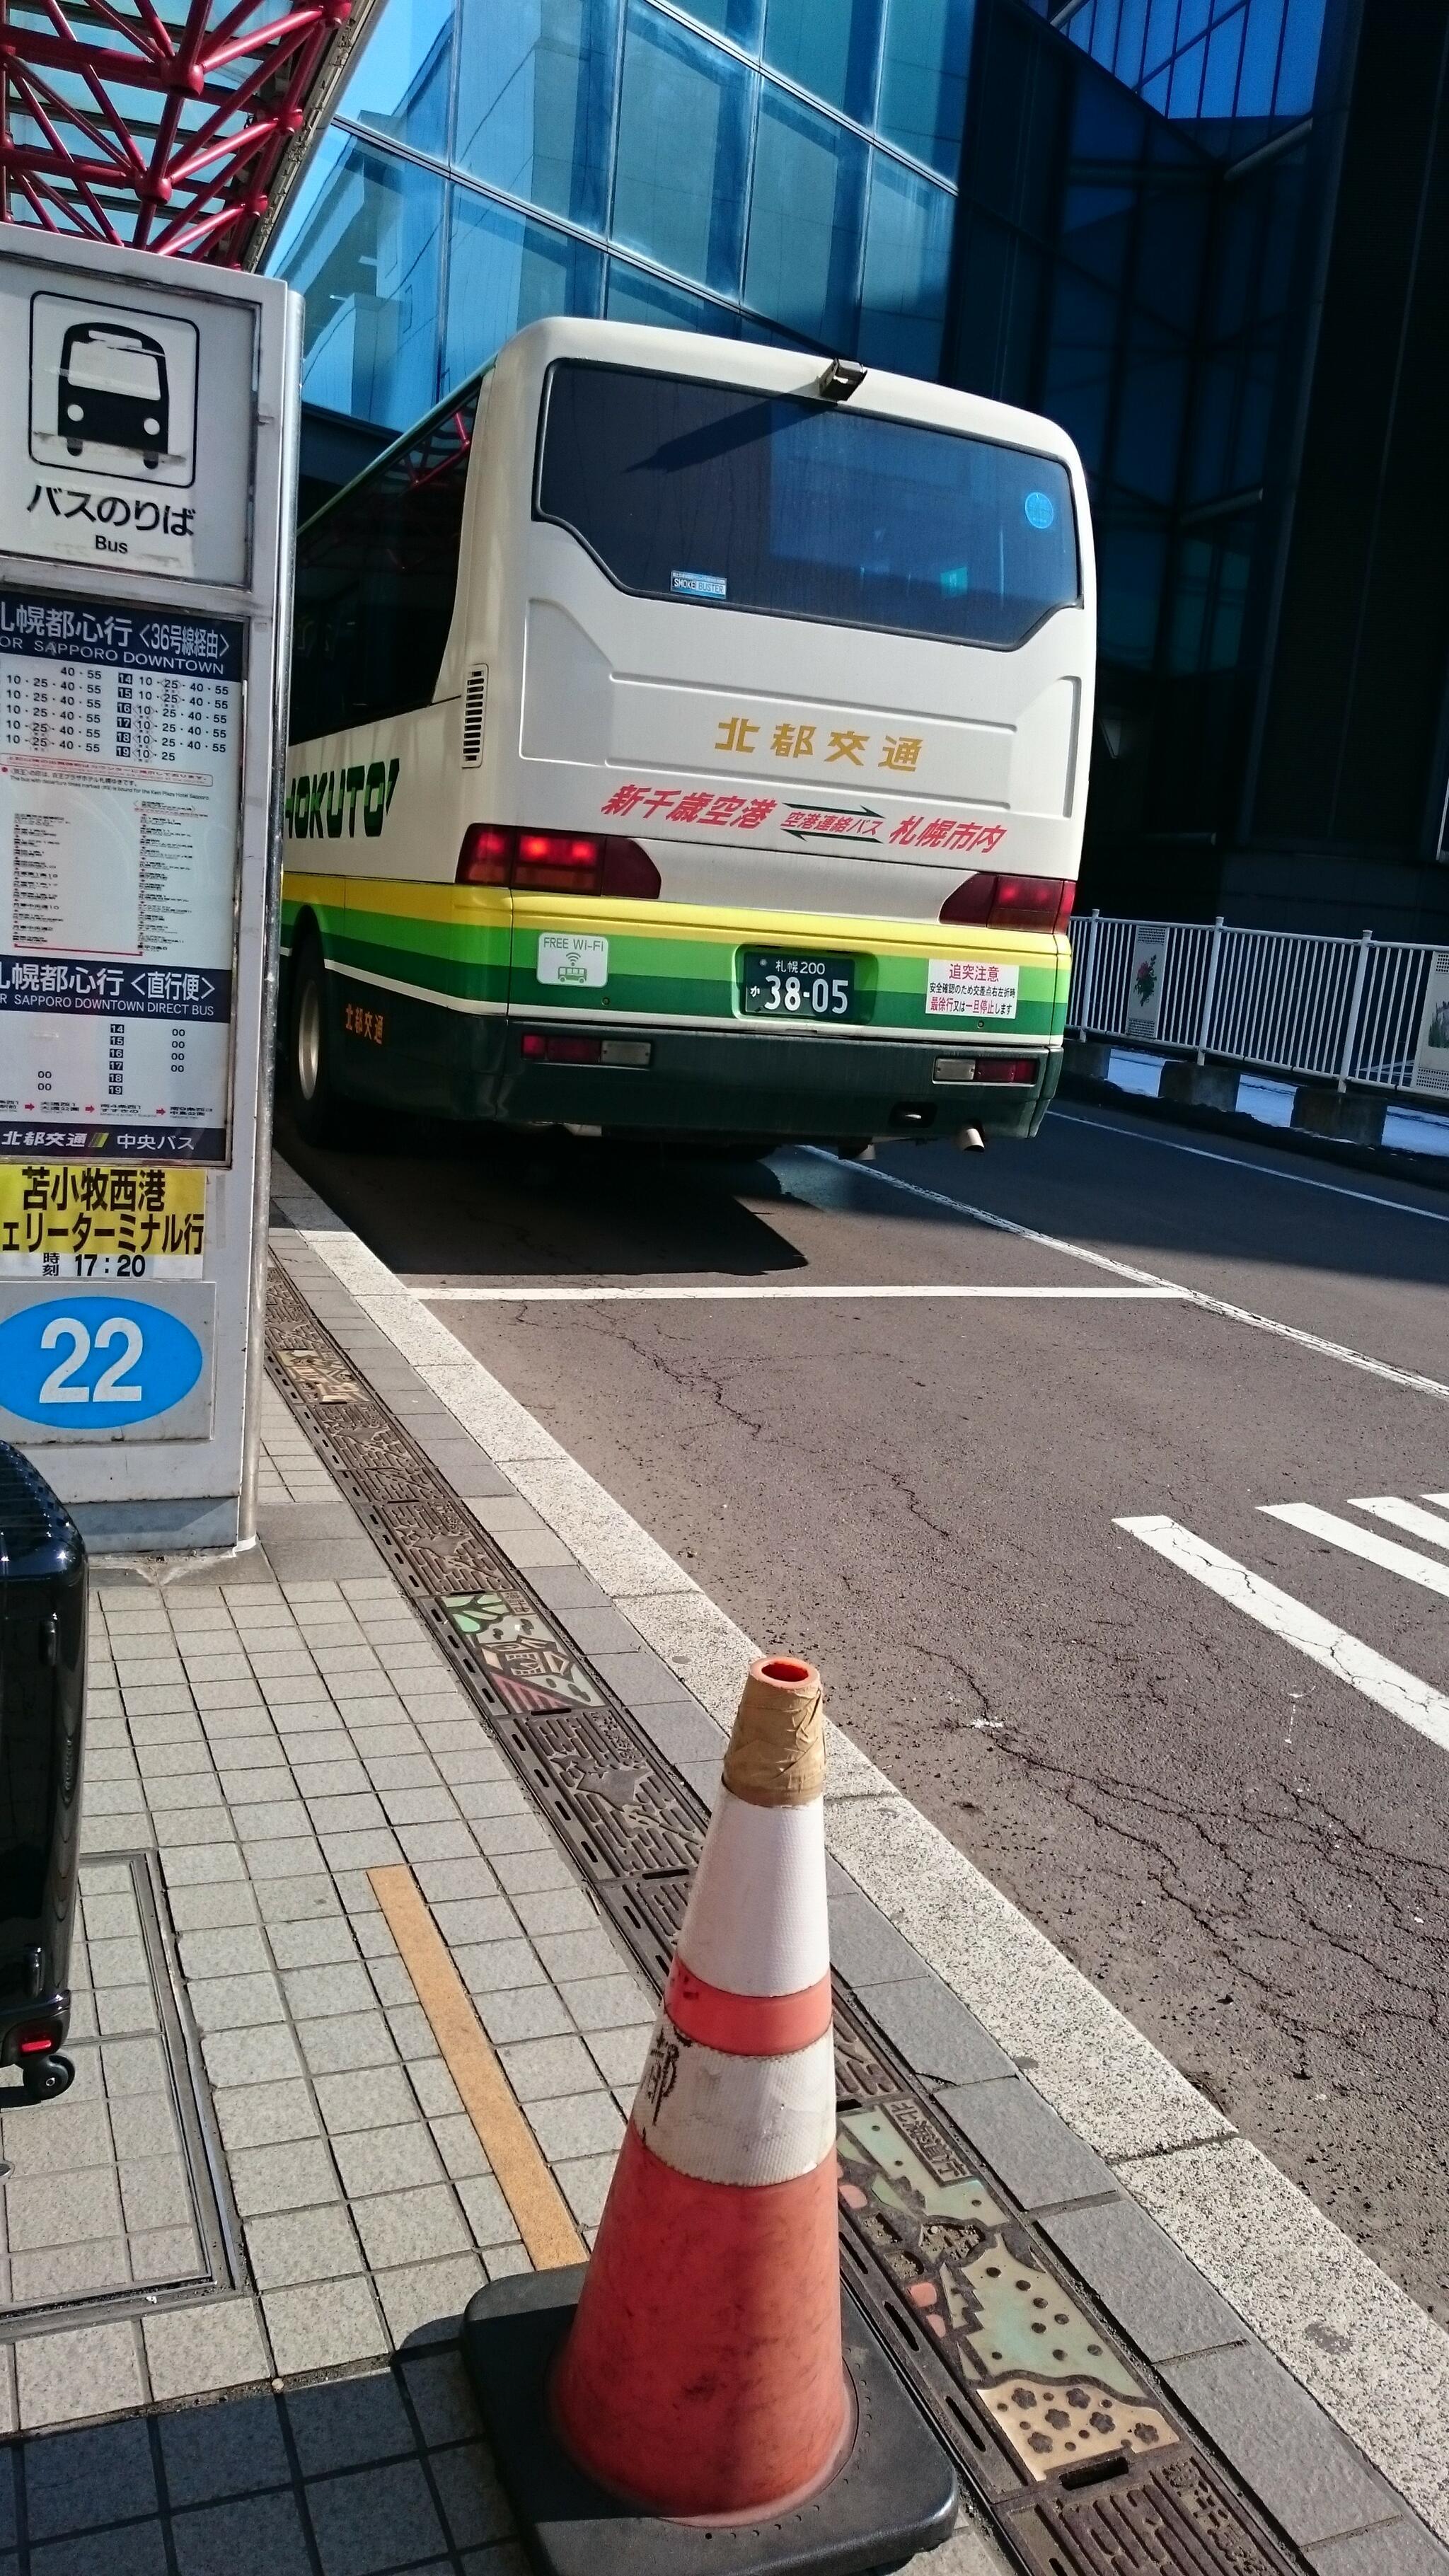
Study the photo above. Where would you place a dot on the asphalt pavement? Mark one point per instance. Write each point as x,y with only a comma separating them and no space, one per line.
1207,1752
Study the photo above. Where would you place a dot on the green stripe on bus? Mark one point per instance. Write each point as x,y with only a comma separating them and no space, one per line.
658,974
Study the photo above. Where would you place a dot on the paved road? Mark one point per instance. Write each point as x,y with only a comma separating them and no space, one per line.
1241,1841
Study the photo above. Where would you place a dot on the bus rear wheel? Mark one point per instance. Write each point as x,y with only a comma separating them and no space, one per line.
315,1103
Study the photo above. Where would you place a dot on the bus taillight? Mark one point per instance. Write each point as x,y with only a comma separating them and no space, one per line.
1008,1068
485,855
1011,903
556,862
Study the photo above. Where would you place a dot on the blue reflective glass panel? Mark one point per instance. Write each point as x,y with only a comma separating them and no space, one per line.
1081,339
907,256
1097,228
535,100
634,296
830,47
737,19
1298,68
504,271
1161,34
1224,54
679,174
1131,562
923,79
365,249
1131,38
1260,57
803,261
1184,98
400,86
1150,411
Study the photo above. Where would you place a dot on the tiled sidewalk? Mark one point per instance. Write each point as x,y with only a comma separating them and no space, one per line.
97,2195
271,1737
274,1740
343,2478
260,1742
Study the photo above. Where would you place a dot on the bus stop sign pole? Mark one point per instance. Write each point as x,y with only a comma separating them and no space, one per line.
148,449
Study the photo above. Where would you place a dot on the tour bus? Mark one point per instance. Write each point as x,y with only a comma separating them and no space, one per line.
690,740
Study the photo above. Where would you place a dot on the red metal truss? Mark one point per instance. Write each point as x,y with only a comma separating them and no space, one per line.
161,124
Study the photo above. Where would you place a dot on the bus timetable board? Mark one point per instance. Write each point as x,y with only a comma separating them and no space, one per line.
120,751
148,423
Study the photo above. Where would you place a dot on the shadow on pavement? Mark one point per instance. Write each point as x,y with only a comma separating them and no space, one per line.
352,2477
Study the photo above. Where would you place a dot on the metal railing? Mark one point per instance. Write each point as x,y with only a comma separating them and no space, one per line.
1271,1001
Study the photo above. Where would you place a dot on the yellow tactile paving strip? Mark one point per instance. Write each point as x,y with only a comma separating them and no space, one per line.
522,2172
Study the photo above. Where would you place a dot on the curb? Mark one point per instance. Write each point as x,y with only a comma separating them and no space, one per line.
1154,2199
1388,1162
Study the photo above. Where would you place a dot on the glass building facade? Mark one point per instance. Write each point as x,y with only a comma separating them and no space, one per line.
1225,62
1208,236
1116,272
784,169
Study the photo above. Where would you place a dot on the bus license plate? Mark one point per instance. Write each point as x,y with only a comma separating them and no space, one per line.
778,985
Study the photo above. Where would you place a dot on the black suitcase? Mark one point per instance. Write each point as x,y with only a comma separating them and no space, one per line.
42,1690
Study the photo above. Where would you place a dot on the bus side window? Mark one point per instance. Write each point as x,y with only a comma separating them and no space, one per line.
377,572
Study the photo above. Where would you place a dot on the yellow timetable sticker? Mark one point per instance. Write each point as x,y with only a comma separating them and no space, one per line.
89,1221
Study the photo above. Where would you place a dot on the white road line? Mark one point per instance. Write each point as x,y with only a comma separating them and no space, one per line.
1388,1685
753,1293
1408,1378
1406,1516
1244,1163
1362,1542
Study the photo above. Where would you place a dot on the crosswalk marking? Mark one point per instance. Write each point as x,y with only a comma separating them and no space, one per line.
1363,1542
1347,1657
1406,1516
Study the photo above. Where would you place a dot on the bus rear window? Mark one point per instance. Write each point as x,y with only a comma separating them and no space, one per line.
719,495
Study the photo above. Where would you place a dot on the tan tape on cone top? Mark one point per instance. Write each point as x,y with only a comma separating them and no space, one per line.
776,1754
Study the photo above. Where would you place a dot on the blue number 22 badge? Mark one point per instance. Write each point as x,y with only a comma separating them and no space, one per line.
95,1363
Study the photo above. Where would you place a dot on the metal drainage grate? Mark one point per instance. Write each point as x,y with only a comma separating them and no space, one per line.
1076,2454
115,2199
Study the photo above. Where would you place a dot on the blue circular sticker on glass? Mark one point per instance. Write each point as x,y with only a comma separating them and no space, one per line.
95,1363
1040,509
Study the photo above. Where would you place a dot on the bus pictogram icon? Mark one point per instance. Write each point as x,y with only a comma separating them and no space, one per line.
113,389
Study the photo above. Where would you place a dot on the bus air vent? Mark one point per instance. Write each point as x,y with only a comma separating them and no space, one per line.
475,700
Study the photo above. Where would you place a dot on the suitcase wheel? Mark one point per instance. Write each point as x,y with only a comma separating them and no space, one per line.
44,2077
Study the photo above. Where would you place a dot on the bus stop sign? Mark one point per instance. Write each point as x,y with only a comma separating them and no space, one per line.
148,423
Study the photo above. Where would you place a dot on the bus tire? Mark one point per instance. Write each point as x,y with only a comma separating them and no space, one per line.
311,1085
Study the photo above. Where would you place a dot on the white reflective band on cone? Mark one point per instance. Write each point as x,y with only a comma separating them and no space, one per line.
756,1922
736,2119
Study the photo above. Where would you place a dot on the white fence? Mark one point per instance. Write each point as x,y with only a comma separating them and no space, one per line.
1272,1001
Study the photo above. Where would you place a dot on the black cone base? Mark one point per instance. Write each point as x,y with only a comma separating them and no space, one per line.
896,2494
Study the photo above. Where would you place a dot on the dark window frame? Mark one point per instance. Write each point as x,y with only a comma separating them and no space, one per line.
797,617
439,448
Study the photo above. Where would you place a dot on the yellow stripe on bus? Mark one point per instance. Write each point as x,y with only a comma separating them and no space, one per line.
409,900
726,924
720,925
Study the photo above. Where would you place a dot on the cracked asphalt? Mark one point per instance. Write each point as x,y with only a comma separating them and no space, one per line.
1244,1852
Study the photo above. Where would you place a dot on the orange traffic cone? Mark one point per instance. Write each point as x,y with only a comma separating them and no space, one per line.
704,2373
692,2380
